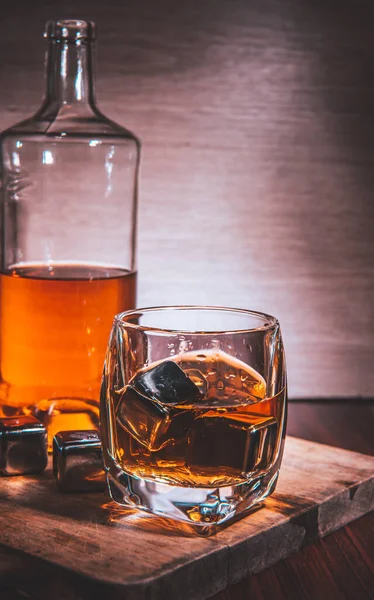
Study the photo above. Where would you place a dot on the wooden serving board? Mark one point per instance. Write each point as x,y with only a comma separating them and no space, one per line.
82,545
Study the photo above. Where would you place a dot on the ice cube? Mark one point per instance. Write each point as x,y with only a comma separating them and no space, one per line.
237,443
23,445
199,380
167,383
77,461
228,378
152,423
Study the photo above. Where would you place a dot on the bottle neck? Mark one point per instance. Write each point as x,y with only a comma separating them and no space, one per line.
70,76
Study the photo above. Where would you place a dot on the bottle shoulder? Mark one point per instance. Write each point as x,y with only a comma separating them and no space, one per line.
65,122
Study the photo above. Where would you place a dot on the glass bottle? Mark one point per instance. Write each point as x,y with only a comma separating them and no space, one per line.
68,222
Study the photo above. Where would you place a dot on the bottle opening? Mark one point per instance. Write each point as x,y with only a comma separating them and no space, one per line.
70,30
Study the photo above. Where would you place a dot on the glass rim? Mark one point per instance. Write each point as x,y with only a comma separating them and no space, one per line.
70,30
269,321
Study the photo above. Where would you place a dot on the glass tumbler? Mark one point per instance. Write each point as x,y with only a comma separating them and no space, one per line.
193,411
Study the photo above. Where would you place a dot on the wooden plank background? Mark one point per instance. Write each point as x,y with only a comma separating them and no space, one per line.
257,120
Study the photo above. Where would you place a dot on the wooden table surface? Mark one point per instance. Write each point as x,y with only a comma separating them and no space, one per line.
339,567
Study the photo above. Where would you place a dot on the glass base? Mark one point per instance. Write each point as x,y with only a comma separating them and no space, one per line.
200,507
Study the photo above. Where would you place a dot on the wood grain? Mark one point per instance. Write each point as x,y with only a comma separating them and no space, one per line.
257,177
80,543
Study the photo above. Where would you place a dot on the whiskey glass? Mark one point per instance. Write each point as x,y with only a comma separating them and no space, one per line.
193,411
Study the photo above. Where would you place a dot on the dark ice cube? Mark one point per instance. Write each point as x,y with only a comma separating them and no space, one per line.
151,423
23,445
77,461
167,383
238,444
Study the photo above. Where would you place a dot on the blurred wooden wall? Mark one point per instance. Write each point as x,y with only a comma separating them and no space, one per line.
257,122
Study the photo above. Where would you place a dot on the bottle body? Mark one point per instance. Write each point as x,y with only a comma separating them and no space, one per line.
68,261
